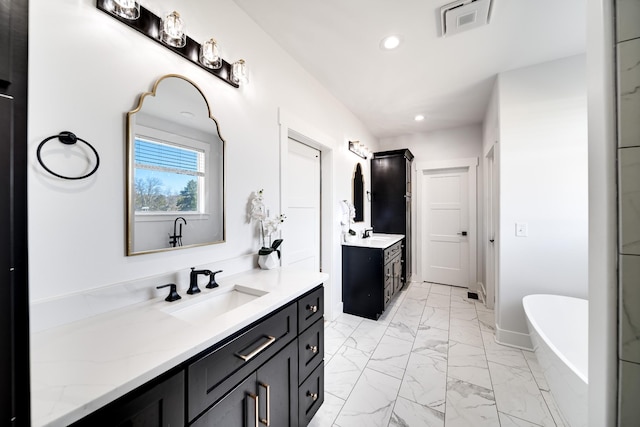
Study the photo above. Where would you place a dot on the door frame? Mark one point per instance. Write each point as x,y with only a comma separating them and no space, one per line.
298,129
471,164
492,226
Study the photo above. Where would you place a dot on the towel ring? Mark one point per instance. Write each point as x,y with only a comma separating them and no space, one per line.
67,138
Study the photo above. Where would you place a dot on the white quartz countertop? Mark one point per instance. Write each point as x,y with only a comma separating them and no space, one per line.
377,240
80,367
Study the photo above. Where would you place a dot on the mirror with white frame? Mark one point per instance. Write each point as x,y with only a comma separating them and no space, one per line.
175,170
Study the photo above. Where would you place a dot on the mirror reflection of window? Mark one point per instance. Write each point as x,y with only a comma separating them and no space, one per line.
168,178
358,193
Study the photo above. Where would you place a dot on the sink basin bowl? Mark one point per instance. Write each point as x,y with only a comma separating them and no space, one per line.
203,307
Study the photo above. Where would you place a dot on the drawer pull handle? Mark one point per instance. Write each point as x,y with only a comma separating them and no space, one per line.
267,421
312,308
255,352
313,396
257,406
313,348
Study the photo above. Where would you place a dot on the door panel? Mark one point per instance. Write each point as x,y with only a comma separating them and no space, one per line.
445,245
301,231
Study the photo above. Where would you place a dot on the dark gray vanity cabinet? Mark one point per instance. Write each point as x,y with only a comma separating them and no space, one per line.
269,373
370,278
391,192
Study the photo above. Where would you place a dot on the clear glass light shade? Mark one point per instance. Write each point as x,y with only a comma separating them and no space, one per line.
127,9
172,30
239,72
210,54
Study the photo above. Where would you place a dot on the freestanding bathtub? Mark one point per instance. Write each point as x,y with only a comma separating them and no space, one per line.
559,328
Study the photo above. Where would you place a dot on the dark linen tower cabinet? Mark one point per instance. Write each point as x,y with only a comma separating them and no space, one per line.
391,199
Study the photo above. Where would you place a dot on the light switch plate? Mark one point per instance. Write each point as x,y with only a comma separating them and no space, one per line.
521,229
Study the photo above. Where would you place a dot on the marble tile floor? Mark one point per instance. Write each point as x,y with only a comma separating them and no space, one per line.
430,361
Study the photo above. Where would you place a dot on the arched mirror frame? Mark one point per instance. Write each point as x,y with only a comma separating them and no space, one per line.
130,162
358,193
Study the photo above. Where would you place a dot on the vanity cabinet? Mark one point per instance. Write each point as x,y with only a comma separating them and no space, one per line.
371,277
269,373
391,192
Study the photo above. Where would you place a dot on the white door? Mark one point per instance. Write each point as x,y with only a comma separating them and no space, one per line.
445,234
302,195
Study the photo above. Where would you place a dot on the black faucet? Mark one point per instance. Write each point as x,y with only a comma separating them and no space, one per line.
366,233
193,280
176,239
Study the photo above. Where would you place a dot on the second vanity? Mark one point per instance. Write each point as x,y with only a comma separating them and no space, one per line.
250,356
371,274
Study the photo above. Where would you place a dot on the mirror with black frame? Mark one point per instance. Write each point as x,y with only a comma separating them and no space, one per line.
175,170
358,193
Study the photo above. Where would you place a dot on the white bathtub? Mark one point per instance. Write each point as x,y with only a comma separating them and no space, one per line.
559,328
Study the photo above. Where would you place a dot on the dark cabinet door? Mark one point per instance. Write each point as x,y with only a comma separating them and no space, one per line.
162,405
239,408
277,384
5,42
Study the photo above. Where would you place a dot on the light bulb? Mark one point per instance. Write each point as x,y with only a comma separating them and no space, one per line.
210,54
172,30
127,9
239,72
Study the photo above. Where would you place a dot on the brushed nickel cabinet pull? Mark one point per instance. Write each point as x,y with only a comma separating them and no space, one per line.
257,406
255,352
312,308
267,421
313,396
313,348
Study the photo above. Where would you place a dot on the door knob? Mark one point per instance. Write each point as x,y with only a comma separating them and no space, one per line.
462,233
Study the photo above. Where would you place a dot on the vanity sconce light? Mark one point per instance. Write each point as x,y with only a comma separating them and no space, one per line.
127,9
172,30
359,149
239,72
168,30
210,54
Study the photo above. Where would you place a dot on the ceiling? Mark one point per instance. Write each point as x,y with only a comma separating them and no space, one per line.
449,80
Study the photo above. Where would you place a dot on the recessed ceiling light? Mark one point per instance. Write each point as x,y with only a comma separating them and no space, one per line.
419,118
390,42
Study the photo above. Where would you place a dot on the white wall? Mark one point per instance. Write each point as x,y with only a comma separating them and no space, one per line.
448,144
87,70
543,183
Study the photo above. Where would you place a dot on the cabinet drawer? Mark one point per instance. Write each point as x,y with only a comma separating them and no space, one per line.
219,371
310,349
392,251
310,308
311,396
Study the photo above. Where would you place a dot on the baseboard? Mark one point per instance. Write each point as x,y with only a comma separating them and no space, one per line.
337,311
482,291
513,339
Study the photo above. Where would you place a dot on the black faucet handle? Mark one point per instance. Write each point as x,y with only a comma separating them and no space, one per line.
212,279
173,293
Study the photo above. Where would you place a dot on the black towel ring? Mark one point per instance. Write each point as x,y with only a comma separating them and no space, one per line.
68,138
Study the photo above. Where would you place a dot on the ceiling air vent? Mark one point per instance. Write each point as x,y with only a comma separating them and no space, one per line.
464,15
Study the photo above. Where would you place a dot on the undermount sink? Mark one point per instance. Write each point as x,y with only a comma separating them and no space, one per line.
204,307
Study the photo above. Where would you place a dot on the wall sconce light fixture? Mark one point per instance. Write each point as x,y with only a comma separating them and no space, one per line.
127,9
210,54
239,72
169,32
359,149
